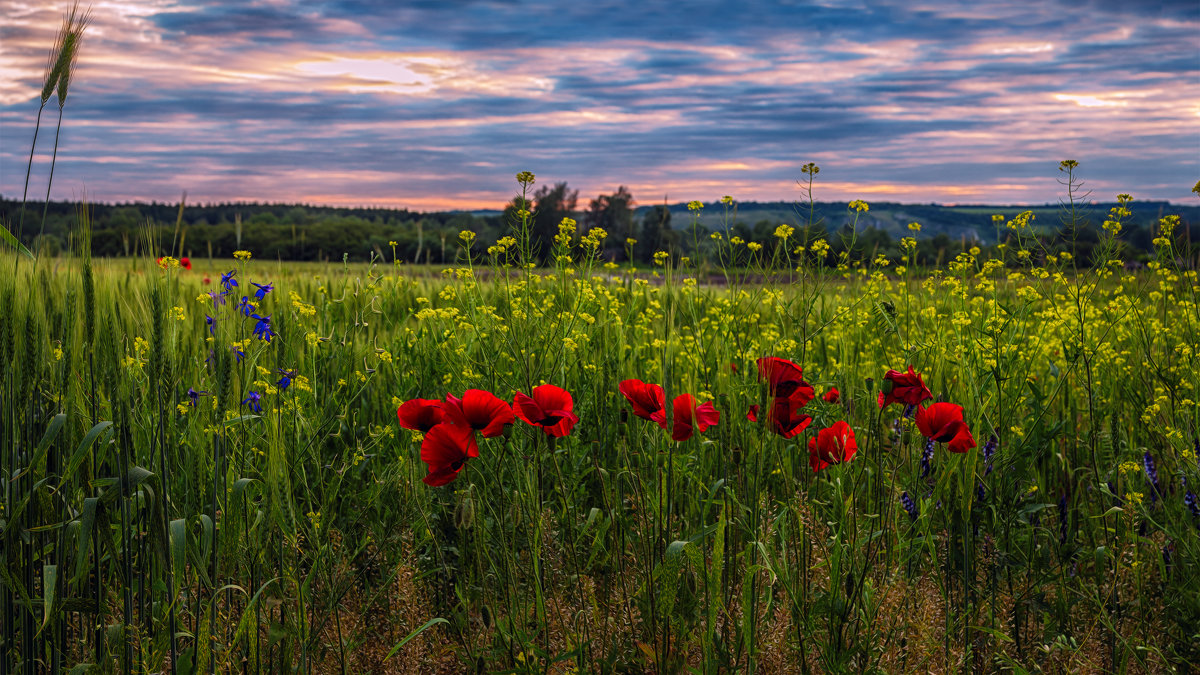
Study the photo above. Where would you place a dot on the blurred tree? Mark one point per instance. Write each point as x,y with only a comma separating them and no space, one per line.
550,206
656,232
614,213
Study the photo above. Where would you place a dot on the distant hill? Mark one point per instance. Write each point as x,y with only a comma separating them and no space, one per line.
961,221
304,232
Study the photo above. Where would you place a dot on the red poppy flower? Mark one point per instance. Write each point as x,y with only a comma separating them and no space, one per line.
907,388
943,422
832,396
446,449
784,417
690,418
420,414
185,263
548,408
479,410
207,280
785,379
648,400
833,445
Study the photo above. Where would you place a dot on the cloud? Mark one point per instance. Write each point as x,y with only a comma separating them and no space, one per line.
367,101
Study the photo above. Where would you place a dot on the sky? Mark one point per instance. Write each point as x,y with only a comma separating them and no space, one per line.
437,104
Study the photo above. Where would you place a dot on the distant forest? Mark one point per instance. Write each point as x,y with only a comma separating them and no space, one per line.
303,232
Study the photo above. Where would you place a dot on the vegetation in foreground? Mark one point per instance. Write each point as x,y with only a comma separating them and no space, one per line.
266,467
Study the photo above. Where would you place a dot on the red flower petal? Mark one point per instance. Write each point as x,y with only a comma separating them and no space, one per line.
549,408
832,445
689,417
907,388
420,414
933,420
832,396
784,379
446,449
648,400
480,410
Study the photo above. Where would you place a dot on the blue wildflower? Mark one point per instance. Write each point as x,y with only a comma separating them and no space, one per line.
1189,500
989,449
246,307
909,505
212,324
228,281
263,289
262,329
909,411
218,297
195,396
238,353
926,458
285,381
253,401
1151,475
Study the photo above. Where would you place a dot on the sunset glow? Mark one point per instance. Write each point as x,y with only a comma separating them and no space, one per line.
360,102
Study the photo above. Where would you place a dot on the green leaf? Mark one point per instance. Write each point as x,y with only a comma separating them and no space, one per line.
8,238
178,533
87,520
428,624
50,586
84,446
43,448
999,635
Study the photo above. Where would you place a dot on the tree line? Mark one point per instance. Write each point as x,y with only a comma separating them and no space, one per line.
635,232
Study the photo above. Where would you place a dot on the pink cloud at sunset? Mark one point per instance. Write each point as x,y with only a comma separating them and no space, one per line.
436,106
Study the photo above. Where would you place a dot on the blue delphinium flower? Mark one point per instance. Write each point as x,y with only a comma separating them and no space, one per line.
1151,475
195,396
228,281
285,381
926,458
218,297
989,449
238,353
909,505
212,324
1189,500
263,289
246,307
253,401
262,329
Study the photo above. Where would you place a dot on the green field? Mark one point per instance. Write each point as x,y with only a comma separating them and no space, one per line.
191,487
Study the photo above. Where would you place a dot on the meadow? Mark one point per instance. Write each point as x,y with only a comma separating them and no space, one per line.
823,463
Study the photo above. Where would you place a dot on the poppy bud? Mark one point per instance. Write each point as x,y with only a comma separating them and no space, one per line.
886,387
464,515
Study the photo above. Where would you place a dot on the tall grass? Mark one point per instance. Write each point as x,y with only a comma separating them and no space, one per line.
147,530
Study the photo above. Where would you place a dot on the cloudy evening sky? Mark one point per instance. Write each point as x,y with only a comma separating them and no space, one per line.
431,105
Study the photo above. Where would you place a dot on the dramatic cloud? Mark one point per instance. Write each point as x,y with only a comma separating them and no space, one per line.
438,104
